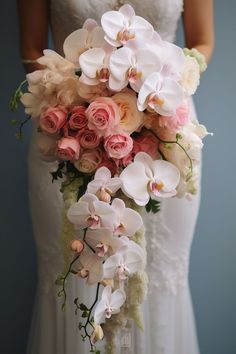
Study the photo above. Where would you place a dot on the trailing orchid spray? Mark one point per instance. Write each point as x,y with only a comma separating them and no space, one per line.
114,112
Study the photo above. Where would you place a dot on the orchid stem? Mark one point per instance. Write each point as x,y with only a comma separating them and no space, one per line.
63,291
177,143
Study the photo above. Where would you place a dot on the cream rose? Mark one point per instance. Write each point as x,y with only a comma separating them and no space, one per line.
89,161
131,117
190,76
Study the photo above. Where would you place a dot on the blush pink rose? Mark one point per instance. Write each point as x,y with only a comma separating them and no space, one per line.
78,119
68,148
178,120
118,146
103,116
146,142
53,119
89,161
88,139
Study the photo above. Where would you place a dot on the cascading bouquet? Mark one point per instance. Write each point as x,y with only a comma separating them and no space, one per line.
115,113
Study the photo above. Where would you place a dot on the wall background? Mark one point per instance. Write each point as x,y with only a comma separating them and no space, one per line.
213,262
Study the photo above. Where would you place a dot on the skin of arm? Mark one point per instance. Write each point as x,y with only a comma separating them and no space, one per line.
33,17
198,21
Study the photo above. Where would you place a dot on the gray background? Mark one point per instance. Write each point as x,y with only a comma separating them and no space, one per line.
213,262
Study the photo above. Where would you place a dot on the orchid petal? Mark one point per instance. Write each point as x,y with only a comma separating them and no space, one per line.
95,273
90,24
118,298
74,44
146,160
88,81
168,173
149,86
103,173
120,62
172,94
78,213
142,28
91,61
96,38
112,22
132,222
127,11
117,85
106,213
110,265
99,312
135,182
114,184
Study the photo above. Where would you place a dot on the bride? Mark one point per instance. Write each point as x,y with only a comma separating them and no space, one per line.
168,316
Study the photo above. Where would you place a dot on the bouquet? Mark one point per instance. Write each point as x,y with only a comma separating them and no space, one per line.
115,113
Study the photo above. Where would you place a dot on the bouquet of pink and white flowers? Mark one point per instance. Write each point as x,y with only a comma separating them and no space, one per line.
115,113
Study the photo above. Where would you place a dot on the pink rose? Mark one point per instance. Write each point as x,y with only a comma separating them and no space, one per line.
78,119
146,142
118,145
67,131
178,120
53,119
88,139
89,161
103,116
68,148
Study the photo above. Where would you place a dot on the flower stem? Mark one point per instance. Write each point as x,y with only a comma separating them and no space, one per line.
181,147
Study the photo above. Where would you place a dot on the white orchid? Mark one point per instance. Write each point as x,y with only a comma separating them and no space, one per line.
91,267
160,93
94,65
90,36
109,304
103,241
125,262
146,177
129,221
132,65
123,25
91,212
103,185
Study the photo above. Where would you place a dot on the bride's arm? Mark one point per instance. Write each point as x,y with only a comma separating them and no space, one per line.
33,18
199,26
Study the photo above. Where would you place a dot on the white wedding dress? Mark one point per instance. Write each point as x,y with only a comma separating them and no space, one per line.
168,316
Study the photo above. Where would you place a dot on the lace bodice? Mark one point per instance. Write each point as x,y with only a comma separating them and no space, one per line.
69,15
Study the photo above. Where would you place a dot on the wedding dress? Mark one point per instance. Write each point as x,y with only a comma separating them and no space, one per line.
168,315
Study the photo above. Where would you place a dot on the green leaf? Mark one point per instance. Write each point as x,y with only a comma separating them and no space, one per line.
83,307
59,281
153,206
85,314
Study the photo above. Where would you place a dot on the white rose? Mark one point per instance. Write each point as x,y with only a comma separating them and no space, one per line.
190,76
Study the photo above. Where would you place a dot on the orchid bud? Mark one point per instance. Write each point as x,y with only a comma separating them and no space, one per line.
97,333
103,194
77,246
